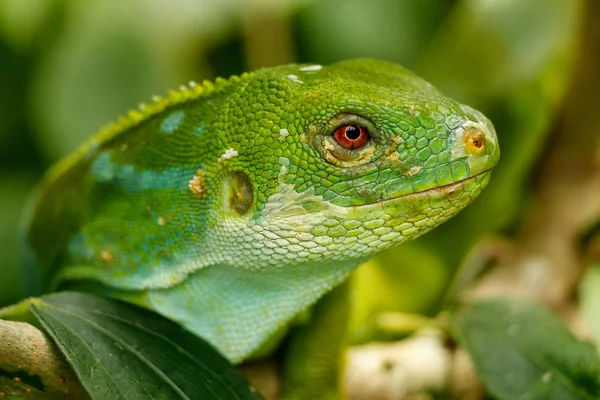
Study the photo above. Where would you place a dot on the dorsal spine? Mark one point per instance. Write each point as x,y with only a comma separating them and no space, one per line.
144,112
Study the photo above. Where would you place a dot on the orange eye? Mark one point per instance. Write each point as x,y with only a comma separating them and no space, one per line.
351,137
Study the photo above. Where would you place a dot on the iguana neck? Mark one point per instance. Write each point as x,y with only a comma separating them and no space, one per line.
238,309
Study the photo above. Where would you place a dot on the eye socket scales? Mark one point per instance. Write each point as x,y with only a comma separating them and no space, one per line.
351,137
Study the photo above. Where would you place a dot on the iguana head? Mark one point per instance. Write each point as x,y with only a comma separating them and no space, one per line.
341,161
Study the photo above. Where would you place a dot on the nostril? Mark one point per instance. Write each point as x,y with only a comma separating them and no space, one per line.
475,142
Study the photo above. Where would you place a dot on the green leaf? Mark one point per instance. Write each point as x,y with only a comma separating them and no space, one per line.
120,351
522,351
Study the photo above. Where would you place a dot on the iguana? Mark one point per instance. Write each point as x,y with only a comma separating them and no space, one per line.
232,206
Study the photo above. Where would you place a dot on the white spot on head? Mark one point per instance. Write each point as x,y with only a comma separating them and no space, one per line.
192,84
284,161
310,68
283,133
294,78
228,155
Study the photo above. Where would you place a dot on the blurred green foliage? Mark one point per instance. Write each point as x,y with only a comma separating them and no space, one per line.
67,67
506,59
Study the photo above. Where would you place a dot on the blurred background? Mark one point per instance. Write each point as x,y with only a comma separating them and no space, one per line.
67,67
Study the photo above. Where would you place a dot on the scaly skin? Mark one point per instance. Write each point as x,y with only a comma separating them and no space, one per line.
230,207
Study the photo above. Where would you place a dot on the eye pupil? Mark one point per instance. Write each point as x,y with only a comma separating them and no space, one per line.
353,132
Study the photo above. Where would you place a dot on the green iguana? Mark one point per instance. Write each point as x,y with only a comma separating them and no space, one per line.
230,207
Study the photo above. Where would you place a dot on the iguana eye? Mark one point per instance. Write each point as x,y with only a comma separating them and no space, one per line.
351,137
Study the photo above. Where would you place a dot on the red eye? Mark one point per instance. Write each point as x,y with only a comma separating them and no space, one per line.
351,137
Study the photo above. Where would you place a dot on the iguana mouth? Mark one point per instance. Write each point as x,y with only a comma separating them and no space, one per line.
446,190
451,187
